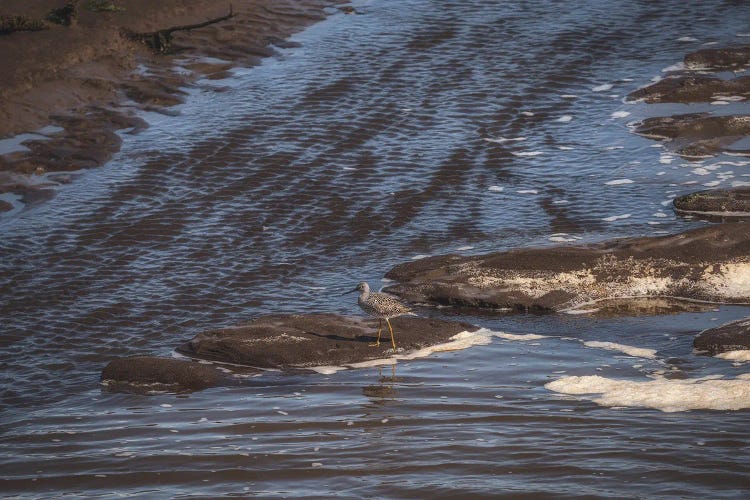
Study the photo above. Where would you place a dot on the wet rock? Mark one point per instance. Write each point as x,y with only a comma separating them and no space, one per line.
300,341
692,88
717,204
719,59
5,206
709,264
144,374
697,135
644,306
728,337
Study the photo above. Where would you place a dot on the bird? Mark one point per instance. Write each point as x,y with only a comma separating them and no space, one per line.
380,305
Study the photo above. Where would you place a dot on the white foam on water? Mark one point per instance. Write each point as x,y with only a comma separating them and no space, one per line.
711,183
666,159
729,98
667,395
496,189
458,342
420,256
740,183
687,39
616,217
569,96
742,355
501,140
565,148
563,237
701,171
602,87
636,352
372,363
675,67
523,337
467,247
620,114
327,370
564,119
527,113
660,214
743,34
581,311
527,191
618,182
719,103
527,153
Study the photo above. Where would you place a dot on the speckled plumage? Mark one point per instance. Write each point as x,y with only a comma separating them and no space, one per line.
381,306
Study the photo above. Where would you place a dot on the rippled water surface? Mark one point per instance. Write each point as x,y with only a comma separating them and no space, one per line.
384,136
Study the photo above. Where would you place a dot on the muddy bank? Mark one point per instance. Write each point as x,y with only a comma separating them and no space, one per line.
716,205
697,135
98,75
734,336
303,341
706,264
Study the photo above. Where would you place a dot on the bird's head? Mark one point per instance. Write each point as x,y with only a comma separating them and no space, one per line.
361,287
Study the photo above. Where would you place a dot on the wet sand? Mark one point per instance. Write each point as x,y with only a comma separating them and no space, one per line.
90,79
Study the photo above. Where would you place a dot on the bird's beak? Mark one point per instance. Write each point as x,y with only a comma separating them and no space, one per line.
350,291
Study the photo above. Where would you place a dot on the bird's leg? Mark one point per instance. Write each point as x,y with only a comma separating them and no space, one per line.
391,329
380,328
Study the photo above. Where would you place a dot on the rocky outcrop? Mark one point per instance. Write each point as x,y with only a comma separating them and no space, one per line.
283,341
309,340
143,374
733,336
718,204
706,264
729,58
697,135
693,88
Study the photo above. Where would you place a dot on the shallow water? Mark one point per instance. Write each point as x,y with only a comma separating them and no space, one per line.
383,137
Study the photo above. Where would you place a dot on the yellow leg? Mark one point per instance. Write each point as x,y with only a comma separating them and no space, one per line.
380,328
391,329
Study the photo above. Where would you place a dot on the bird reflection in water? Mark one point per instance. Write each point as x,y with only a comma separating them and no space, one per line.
385,389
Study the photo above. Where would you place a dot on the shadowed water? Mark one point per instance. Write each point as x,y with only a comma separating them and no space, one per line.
412,128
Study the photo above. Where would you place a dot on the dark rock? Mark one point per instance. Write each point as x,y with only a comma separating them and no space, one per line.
694,126
692,88
728,337
300,341
719,59
5,206
143,374
709,264
696,135
717,204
